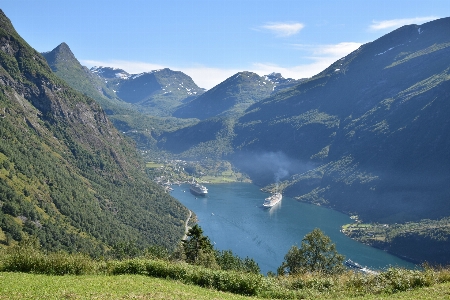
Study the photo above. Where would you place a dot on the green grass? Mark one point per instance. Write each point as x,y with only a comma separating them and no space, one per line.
439,291
34,286
153,165
75,276
30,286
218,179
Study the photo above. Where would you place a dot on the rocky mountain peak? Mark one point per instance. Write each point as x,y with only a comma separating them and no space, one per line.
60,53
110,73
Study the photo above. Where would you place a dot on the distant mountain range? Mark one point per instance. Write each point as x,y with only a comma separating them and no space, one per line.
148,104
158,92
233,96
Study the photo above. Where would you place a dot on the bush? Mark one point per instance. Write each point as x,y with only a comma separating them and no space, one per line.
227,281
130,266
29,260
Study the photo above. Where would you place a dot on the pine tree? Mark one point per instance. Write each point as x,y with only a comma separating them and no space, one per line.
196,246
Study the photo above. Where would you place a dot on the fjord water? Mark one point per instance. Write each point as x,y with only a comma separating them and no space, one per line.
233,218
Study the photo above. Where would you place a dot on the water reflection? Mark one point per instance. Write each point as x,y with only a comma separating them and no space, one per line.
272,210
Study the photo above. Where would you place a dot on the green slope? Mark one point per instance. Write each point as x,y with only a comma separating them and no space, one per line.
66,175
64,64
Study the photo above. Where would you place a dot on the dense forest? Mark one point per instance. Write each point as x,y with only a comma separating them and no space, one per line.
66,175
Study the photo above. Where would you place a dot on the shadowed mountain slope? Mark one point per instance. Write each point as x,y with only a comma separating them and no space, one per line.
234,95
374,124
368,135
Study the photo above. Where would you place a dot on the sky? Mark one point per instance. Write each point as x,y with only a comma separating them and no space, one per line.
210,40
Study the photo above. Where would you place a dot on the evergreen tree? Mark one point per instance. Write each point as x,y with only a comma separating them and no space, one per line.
197,246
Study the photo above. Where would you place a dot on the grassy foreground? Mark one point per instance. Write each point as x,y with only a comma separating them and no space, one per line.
36,286
28,273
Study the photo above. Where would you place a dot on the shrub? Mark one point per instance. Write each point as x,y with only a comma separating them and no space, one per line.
29,260
164,269
229,281
128,266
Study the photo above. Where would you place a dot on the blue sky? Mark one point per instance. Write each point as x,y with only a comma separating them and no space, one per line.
211,40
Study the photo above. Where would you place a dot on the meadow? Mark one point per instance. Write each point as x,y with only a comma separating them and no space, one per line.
31,274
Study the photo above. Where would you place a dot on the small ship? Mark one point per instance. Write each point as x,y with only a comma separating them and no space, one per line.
357,267
354,265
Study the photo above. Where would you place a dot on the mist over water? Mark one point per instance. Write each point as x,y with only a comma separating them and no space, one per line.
233,218
269,167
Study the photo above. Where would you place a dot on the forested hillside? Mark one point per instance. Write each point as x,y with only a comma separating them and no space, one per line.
66,175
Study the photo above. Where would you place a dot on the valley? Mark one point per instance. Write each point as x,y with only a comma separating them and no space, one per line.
87,156
367,144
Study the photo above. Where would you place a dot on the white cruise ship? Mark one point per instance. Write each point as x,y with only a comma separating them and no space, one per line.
198,189
272,200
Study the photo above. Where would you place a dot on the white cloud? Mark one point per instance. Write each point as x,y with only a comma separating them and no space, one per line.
207,77
317,58
396,23
283,29
335,51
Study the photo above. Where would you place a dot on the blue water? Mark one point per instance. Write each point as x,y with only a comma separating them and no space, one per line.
233,218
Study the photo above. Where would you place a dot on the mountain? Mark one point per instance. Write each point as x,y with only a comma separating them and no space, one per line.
128,118
282,83
65,65
370,134
233,96
110,73
211,138
67,176
158,92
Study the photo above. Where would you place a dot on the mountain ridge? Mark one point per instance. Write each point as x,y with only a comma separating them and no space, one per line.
234,95
158,92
